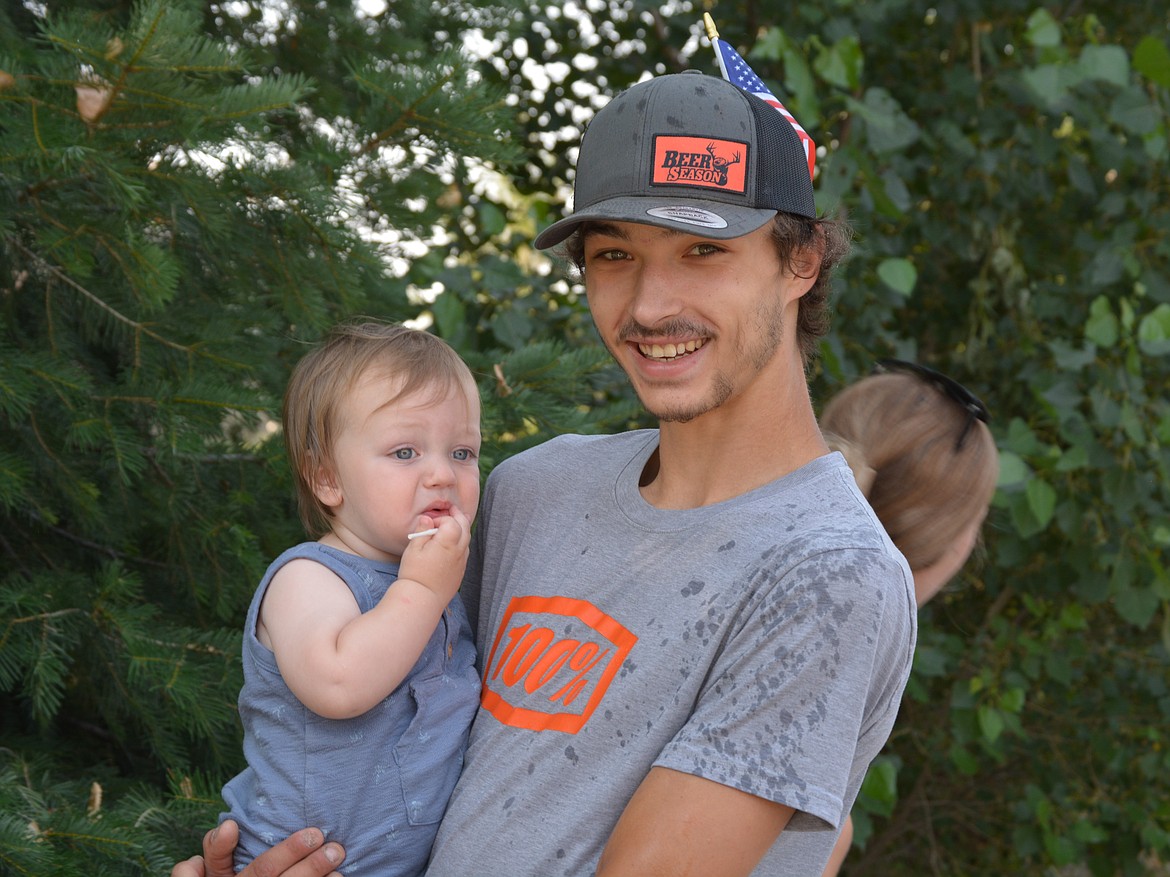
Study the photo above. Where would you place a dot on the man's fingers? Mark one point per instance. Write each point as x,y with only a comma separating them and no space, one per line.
299,855
192,867
218,846
320,863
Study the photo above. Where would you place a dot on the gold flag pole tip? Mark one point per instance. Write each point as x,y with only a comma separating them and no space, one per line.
709,23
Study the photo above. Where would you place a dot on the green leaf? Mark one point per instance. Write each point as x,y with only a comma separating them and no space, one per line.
880,785
1151,59
1022,439
1012,470
1043,30
775,45
966,763
1102,327
512,328
1106,63
1087,832
1136,604
1049,82
929,661
1073,459
1022,517
802,85
841,63
887,126
898,274
1133,423
1154,331
896,191
1061,849
991,723
1013,700
450,316
1041,500
1135,112
491,217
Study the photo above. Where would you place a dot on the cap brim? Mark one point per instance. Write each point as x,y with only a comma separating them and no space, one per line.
695,216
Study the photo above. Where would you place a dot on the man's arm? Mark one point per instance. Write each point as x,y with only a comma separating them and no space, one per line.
840,849
679,825
300,855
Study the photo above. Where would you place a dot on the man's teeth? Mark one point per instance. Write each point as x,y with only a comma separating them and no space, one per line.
670,351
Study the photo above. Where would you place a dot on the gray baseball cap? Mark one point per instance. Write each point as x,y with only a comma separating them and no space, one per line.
689,152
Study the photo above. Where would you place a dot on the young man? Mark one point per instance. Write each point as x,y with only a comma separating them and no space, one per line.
693,640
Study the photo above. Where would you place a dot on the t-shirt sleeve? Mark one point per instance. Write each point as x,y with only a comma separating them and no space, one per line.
471,590
807,684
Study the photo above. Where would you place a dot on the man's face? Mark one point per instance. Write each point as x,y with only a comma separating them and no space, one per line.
693,321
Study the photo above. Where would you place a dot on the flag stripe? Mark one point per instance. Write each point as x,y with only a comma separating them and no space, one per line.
737,71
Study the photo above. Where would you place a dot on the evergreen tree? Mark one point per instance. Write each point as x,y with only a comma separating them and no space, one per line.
181,212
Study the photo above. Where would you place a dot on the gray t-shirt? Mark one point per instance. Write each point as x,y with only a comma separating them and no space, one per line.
762,643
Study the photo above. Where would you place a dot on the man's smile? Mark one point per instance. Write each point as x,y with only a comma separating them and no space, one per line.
670,351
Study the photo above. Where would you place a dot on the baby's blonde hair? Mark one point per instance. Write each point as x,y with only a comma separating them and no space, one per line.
417,360
900,435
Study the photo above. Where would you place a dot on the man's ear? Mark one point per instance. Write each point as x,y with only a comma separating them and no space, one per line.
806,264
325,486
806,276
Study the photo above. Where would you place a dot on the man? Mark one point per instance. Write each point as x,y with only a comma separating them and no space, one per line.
693,639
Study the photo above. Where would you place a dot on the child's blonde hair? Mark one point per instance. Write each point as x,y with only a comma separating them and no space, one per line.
416,359
926,464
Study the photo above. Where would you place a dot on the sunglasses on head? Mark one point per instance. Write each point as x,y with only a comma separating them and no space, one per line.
951,388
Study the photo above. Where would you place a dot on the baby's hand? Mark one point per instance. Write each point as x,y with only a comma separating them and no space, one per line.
437,561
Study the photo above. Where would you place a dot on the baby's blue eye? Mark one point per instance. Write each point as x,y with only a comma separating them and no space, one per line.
404,454
462,455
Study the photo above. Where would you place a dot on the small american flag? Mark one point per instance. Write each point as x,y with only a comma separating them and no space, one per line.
736,71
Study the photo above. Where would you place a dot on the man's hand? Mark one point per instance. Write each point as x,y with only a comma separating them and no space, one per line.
301,855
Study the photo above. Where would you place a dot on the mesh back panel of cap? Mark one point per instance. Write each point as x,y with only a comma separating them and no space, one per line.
782,172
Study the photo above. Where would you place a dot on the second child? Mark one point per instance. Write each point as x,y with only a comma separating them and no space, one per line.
359,665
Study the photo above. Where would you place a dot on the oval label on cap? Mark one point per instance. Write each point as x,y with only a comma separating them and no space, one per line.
689,215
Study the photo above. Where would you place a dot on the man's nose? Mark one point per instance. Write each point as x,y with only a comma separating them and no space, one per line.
656,295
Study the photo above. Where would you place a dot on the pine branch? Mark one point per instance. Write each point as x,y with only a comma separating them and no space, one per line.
138,327
89,544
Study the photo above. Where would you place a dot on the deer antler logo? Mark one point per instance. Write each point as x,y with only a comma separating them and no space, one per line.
721,164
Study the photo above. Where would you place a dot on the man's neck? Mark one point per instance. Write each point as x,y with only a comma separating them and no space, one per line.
742,445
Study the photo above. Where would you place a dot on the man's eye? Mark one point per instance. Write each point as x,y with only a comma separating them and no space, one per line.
611,255
706,249
404,454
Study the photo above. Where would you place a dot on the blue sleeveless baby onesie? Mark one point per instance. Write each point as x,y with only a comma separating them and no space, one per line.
378,783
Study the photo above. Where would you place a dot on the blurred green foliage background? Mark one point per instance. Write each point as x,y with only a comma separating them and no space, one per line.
190,193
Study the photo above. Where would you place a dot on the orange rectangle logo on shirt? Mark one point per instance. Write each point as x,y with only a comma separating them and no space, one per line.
552,662
702,162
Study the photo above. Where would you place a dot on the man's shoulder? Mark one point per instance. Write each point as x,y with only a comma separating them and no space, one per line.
575,451
824,502
826,520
